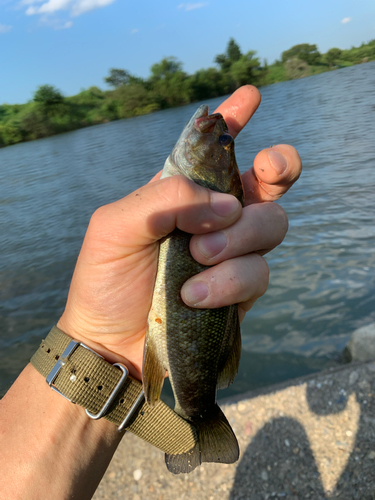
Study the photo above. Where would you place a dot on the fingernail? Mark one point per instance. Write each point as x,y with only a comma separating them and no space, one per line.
195,292
278,161
212,244
223,204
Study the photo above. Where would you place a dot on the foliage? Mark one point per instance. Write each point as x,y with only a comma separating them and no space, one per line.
169,83
232,54
295,68
332,56
117,77
47,95
167,86
133,100
237,69
304,52
274,74
358,55
206,83
246,69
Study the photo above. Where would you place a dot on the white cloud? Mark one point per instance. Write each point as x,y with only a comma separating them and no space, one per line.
75,7
346,20
54,22
66,26
191,6
4,28
134,31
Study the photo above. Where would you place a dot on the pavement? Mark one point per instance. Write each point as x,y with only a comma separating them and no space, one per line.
312,437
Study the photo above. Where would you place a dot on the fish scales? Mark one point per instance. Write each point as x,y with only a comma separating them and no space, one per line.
200,348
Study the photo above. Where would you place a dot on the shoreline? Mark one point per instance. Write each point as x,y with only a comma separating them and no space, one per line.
19,139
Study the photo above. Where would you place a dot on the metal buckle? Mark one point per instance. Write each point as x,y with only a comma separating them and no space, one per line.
112,397
113,394
72,346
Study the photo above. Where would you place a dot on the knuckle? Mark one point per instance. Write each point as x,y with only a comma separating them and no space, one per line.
185,188
98,216
282,220
263,273
99,222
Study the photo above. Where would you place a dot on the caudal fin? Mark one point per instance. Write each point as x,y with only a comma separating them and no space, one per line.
216,443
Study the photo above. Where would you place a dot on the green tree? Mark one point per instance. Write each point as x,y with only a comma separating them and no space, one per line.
233,51
10,133
332,56
295,68
47,95
35,124
134,99
304,52
169,84
118,77
232,54
165,69
245,69
49,102
206,83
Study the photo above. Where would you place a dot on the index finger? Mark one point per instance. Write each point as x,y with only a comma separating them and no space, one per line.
275,169
239,108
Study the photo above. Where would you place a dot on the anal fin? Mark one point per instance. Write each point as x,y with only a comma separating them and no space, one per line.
229,371
153,373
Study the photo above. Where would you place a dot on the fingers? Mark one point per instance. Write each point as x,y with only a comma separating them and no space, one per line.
240,275
241,280
158,208
239,108
275,170
260,229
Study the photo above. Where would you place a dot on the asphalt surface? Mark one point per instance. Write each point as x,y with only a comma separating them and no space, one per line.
312,437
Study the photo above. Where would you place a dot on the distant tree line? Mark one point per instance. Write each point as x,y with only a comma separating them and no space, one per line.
49,112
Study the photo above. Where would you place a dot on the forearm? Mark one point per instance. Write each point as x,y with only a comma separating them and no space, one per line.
49,446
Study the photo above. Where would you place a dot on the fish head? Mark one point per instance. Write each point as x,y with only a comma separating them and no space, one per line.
204,153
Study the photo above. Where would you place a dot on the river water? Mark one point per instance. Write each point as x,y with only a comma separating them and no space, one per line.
322,282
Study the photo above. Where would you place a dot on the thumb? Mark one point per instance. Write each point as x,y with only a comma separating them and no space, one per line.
156,209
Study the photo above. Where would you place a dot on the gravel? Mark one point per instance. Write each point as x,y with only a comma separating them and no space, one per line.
308,438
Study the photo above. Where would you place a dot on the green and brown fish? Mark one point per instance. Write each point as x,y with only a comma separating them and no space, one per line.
200,348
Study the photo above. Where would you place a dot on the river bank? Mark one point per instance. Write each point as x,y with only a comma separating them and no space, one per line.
312,437
49,113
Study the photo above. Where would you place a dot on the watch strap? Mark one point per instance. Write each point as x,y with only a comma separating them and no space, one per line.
87,379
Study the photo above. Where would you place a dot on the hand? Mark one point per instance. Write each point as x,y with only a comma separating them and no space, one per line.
112,285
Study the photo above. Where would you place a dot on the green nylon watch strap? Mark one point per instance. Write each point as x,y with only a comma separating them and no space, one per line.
88,380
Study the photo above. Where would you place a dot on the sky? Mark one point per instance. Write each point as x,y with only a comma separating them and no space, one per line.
72,44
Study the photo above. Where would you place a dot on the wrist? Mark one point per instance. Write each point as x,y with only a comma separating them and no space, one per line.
50,448
129,353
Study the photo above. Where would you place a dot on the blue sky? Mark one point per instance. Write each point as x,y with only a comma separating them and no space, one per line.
71,44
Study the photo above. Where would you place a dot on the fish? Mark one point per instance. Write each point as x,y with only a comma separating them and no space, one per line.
199,348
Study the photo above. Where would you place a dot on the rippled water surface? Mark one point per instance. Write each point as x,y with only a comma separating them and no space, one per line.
322,282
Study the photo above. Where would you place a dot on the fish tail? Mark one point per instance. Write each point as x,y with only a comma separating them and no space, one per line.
216,443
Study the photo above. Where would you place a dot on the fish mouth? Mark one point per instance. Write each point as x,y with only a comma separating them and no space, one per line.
206,124
203,122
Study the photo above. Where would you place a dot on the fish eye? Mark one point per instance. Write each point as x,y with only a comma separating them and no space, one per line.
225,140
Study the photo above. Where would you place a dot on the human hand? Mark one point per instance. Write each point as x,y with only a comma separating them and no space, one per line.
111,290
